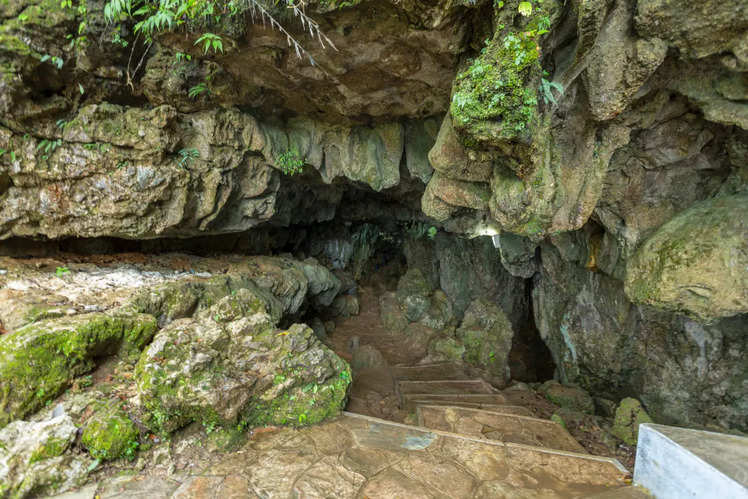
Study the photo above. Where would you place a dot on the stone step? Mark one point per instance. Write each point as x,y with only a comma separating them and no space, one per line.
407,399
500,408
426,372
509,469
491,425
446,386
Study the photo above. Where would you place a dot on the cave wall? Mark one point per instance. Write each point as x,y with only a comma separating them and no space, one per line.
620,203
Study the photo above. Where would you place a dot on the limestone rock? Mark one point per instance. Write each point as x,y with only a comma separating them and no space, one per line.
698,30
450,158
680,369
568,397
392,316
229,364
38,361
696,263
629,415
34,458
414,294
487,336
517,254
367,357
345,306
110,434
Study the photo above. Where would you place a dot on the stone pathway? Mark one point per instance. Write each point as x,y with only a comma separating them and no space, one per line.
359,456
454,452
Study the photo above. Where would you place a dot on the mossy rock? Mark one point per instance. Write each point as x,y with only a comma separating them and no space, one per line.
629,415
110,434
413,294
38,361
495,98
696,263
568,397
228,365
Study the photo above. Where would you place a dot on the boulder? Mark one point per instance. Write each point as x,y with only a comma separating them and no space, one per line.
568,397
40,360
487,336
629,415
230,365
34,458
414,294
110,433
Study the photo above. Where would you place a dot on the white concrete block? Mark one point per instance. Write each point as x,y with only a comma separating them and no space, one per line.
677,463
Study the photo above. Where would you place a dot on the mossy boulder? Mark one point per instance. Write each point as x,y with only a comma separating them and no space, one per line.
414,294
34,458
629,415
229,365
390,313
696,264
38,361
487,336
110,433
568,397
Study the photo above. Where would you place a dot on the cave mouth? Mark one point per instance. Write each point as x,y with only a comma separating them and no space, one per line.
369,256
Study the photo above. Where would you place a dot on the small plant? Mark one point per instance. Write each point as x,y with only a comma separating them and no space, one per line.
58,62
290,162
210,41
210,427
61,271
187,155
197,90
432,232
131,450
12,154
546,90
48,146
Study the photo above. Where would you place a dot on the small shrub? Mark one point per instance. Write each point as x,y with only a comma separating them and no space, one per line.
290,162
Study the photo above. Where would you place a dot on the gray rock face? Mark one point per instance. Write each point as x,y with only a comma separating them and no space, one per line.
33,458
682,371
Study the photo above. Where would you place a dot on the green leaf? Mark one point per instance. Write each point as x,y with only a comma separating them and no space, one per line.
81,89
525,8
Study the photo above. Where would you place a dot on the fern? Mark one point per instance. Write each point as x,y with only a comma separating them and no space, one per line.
157,16
546,90
197,90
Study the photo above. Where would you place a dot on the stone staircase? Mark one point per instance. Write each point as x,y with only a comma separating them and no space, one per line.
444,397
469,440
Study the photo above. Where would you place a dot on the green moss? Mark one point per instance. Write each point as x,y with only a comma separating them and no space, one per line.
306,405
52,448
629,415
38,361
110,434
495,98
